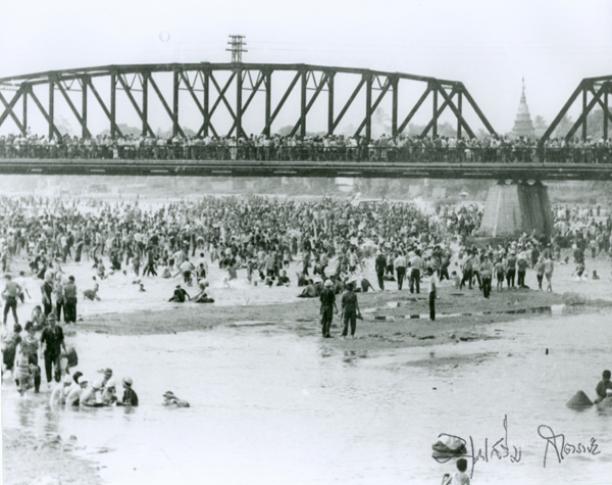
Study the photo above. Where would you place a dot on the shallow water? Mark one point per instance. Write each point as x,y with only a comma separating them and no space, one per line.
273,408
119,294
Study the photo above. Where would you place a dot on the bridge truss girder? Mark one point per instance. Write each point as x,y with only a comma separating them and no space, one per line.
593,92
204,86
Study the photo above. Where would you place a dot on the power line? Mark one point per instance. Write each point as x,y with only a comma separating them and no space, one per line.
237,44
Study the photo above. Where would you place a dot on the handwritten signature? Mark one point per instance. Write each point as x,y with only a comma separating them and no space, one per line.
558,444
499,449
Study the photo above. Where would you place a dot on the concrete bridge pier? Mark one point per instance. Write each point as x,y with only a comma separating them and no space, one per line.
517,207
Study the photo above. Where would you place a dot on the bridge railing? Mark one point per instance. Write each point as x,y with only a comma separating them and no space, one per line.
372,153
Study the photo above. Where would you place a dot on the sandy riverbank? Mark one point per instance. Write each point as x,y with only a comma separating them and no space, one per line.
391,319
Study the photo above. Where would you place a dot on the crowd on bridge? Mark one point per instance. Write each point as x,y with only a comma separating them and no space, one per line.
385,148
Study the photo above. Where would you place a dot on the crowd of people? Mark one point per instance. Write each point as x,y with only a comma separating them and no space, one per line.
328,244
331,242
310,148
24,350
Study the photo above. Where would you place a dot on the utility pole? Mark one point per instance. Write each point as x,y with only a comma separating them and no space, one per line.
237,46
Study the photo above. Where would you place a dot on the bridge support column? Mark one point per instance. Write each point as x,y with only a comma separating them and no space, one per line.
515,208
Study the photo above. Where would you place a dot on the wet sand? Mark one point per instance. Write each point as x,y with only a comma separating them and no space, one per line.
390,319
28,460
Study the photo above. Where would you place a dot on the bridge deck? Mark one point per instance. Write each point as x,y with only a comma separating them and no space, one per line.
207,168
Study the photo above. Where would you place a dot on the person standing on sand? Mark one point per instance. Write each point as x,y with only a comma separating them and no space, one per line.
549,266
521,265
539,267
10,294
467,272
46,290
328,306
499,273
486,274
433,284
70,301
400,268
380,263
511,269
350,310
416,265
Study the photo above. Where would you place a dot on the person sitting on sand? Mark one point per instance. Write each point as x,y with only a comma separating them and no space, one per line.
92,293
171,400
166,273
579,270
202,296
302,280
283,279
130,398
179,295
604,386
366,285
310,291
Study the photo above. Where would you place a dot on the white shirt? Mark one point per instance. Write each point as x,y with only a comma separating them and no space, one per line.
433,283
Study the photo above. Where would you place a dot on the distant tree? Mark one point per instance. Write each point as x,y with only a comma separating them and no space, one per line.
563,127
540,125
125,129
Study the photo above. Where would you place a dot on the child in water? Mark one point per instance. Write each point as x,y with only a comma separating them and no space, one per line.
24,371
460,477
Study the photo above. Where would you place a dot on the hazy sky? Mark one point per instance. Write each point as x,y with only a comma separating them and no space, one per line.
489,45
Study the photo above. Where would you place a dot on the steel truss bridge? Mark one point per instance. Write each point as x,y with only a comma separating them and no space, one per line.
593,93
211,88
232,168
234,86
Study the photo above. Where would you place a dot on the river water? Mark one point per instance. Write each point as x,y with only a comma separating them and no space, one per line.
272,408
